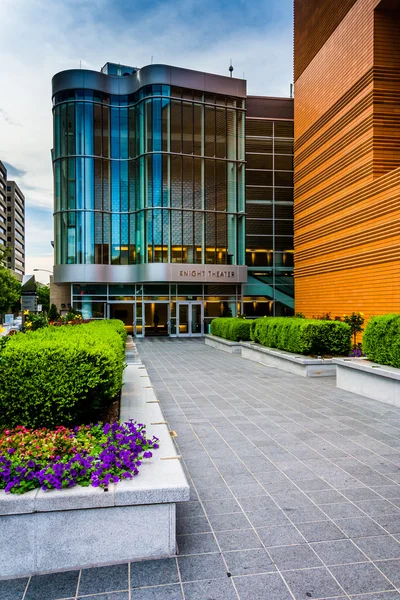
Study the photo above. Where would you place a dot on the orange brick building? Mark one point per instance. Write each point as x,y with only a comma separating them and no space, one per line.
347,156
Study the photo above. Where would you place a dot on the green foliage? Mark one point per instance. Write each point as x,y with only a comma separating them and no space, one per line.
34,321
10,287
381,340
356,322
60,375
302,336
53,314
300,315
234,329
43,294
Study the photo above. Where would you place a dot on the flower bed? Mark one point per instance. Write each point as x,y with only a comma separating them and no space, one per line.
94,455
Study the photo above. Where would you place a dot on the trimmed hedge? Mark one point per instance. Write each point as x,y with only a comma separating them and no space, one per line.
381,340
231,328
60,375
302,336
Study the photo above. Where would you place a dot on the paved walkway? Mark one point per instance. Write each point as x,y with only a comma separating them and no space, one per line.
295,490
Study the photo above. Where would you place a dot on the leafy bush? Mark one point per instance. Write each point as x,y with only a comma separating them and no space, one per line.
381,340
60,375
234,329
53,314
89,454
302,336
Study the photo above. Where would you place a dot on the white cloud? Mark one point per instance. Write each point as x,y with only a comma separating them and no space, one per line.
41,37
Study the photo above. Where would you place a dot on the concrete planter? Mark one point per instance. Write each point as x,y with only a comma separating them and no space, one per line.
289,362
369,379
83,527
222,344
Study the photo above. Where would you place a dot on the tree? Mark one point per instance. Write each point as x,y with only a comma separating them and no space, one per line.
43,294
10,287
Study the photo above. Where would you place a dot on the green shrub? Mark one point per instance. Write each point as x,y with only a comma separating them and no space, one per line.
60,375
381,340
233,329
302,336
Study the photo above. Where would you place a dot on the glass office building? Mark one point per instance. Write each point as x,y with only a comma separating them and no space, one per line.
149,180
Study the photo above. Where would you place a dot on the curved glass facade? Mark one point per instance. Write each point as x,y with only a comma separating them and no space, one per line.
157,176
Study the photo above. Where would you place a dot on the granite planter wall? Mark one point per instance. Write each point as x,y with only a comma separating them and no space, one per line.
271,357
222,344
369,379
83,527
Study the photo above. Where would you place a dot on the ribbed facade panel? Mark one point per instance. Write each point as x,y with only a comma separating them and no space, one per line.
347,169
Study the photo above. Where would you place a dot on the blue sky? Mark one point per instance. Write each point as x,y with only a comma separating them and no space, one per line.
41,37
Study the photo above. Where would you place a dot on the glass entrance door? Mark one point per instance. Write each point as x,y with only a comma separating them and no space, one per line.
190,319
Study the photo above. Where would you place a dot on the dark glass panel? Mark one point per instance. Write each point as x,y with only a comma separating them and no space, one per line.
283,162
284,259
283,227
259,227
187,128
124,185
220,178
165,122
283,146
197,129
259,211
259,242
176,181
98,184
64,183
187,182
98,238
220,132
123,132
71,128
283,211
64,130
259,161
283,129
210,237
115,133
262,178
221,242
176,236
98,129
176,126
131,131
209,123
89,289
115,186
148,109
80,128
283,194
284,178
197,186
259,128
259,145
188,235
283,243
209,184
106,131
71,183
89,128
106,185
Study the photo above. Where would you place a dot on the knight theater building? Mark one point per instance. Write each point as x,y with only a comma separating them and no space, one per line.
150,199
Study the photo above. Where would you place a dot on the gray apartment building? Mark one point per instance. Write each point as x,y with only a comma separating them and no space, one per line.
12,222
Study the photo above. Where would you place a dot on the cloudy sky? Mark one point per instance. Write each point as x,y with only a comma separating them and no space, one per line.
41,37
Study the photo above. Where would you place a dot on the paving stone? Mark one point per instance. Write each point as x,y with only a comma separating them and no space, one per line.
110,596
314,484
262,518
13,589
154,572
360,578
355,528
294,557
196,543
389,522
229,522
326,497
241,539
215,589
201,566
390,568
280,536
379,548
342,511
257,503
305,514
189,509
226,505
321,531
360,494
248,562
103,579
312,583
338,552
193,525
262,587
164,592
376,508
56,585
